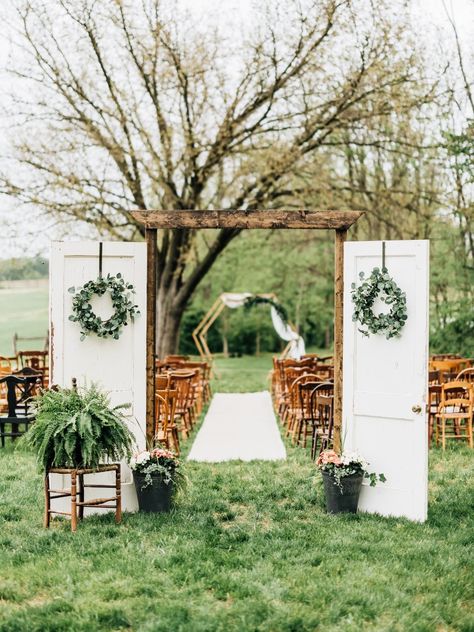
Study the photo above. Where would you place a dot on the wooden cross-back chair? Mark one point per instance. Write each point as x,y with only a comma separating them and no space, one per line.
455,412
292,413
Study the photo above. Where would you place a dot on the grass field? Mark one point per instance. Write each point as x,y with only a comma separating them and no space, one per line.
247,548
23,311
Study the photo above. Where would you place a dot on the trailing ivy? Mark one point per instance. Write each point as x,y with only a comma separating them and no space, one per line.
251,301
121,294
379,284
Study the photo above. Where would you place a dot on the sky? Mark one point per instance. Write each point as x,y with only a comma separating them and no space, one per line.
24,236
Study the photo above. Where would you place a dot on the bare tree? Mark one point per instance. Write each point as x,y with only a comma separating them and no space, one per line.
136,105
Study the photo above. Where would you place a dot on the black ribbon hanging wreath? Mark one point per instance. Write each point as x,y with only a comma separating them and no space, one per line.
379,284
121,294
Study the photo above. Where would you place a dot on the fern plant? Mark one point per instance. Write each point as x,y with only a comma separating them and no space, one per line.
78,428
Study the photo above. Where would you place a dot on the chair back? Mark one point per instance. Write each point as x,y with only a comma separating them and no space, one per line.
20,390
162,381
33,359
165,409
323,407
466,375
6,366
457,397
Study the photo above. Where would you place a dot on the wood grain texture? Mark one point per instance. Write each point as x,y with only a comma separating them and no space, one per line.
339,220
338,333
150,237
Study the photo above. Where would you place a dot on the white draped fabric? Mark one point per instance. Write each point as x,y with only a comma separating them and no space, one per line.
234,300
284,330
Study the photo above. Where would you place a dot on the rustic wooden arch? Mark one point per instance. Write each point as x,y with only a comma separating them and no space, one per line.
339,221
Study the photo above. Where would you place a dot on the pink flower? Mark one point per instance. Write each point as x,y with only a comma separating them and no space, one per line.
327,457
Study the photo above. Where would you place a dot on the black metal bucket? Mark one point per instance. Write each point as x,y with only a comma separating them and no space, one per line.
154,498
347,501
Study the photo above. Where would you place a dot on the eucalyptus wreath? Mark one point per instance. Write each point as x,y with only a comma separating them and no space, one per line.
379,284
121,294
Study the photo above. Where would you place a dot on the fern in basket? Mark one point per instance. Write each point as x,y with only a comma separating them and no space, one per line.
78,428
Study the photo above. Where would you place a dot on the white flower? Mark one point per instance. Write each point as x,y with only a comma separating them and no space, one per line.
142,457
353,457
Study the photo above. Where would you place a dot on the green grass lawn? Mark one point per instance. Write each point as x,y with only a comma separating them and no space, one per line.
247,548
23,311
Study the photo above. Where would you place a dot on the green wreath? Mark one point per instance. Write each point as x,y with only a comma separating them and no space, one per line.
120,293
379,284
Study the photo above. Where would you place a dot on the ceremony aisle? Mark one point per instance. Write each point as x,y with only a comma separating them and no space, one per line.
239,426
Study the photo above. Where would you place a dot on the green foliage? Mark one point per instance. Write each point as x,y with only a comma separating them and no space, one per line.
456,334
379,285
24,268
120,293
77,429
461,146
252,301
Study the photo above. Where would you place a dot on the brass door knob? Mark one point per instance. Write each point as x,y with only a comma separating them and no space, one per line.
416,409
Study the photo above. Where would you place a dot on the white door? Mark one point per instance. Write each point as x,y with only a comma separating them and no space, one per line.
118,366
385,382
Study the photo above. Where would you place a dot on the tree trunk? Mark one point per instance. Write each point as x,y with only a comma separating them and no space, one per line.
225,346
168,321
168,324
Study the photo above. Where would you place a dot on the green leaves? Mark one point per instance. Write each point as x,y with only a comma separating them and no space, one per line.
77,429
120,293
379,284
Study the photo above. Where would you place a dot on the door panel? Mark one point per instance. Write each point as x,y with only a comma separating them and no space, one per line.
384,379
117,366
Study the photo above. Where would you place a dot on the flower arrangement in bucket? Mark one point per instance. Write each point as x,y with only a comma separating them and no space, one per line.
342,477
158,475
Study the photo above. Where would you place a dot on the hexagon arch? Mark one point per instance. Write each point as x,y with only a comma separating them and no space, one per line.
295,347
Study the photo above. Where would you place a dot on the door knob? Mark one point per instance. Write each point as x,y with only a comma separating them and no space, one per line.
416,409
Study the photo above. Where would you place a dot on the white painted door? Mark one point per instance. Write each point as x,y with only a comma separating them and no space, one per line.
385,382
118,366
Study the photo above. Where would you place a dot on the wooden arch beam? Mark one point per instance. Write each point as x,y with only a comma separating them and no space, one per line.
336,220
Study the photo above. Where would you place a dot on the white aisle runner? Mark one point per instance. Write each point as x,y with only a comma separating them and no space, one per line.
239,426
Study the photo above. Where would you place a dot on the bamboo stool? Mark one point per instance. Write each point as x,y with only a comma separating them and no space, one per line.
77,490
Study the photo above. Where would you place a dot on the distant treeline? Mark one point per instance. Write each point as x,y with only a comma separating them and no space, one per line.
21,268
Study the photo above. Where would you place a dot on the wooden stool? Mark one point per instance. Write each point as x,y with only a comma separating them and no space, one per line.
77,489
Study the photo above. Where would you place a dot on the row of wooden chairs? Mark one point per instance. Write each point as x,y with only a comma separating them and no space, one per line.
303,393
446,368
182,389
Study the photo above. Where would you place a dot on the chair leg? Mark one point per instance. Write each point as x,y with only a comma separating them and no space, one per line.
81,496
443,433
73,501
118,494
47,502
